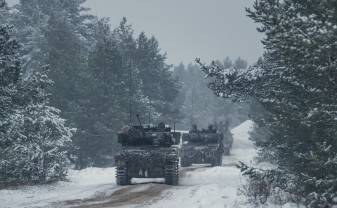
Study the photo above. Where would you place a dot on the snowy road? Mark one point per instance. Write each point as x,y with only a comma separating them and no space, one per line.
212,187
200,186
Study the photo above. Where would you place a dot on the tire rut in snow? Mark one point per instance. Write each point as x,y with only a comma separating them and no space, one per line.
131,195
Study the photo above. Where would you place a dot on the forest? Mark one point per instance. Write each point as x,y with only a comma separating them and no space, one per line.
70,81
69,78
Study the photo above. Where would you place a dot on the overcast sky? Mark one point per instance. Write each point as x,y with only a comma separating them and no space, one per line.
186,29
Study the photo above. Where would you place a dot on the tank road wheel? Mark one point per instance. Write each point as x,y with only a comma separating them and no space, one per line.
171,171
220,159
217,160
214,162
122,177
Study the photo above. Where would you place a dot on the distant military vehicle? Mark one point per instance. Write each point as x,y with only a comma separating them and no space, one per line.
202,147
223,127
147,152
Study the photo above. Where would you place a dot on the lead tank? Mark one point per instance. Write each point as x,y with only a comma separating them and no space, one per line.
202,147
147,152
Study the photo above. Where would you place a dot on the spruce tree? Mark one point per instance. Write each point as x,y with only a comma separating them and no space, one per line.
158,83
105,100
117,85
199,105
296,85
33,138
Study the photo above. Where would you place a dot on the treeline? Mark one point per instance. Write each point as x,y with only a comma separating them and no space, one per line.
199,105
296,84
53,53
33,137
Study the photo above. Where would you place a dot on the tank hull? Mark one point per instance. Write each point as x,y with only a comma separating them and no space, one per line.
201,155
148,162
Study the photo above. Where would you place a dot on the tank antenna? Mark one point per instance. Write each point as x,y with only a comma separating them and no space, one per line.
140,123
150,112
130,90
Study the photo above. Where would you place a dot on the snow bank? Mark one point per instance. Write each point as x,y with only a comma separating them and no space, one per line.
202,187
243,149
92,176
242,132
214,187
82,184
226,176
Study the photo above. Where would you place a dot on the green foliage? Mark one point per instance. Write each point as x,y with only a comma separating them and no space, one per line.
101,75
125,76
296,85
33,138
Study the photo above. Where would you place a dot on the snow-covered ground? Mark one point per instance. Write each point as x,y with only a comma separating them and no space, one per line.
200,186
82,184
213,187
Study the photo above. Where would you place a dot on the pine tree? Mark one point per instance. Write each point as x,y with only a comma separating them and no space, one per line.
199,105
37,140
33,138
227,63
59,34
116,87
296,85
38,19
239,63
105,100
99,74
9,77
158,83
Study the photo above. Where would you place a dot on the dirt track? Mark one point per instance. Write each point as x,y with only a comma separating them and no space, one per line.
134,195
131,195
200,186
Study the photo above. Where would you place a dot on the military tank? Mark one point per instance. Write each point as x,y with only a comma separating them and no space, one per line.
202,147
147,152
223,127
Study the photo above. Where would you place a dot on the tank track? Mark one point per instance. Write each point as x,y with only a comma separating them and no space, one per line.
122,178
172,173
217,161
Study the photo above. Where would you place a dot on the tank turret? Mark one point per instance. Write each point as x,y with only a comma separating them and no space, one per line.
202,146
146,135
